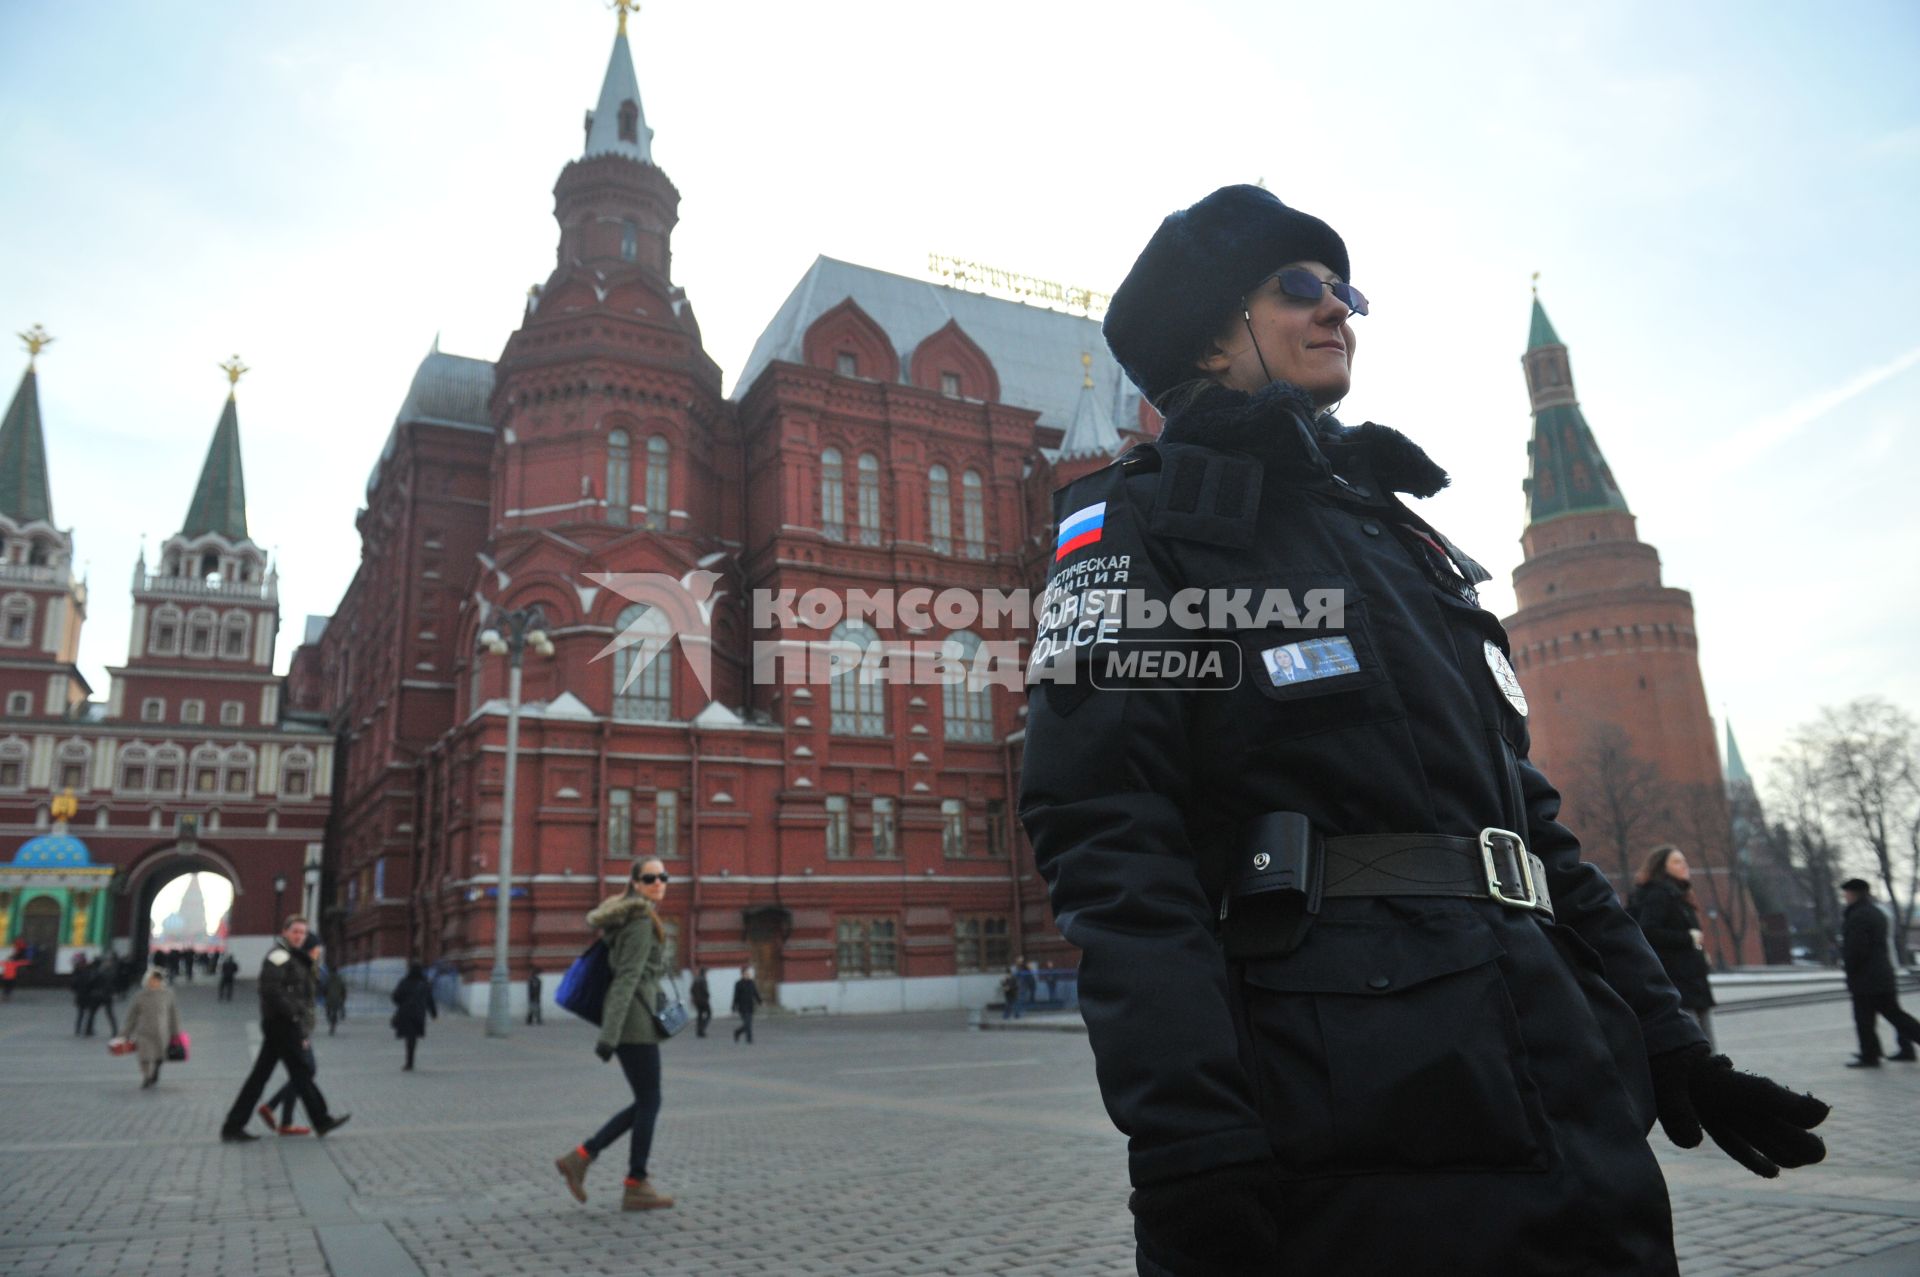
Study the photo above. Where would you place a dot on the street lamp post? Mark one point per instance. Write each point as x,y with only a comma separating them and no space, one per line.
279,889
508,634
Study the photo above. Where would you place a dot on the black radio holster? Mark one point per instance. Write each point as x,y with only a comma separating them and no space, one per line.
1273,892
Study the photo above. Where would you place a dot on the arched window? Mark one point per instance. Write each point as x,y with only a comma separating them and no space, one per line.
973,515
296,774
619,476
643,670
859,694
629,121
868,494
169,764
71,767
940,510
13,764
236,772
133,769
200,632
235,629
969,703
629,241
833,496
16,620
659,456
164,637
205,770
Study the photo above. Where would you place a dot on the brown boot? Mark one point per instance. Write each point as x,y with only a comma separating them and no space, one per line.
573,1169
641,1195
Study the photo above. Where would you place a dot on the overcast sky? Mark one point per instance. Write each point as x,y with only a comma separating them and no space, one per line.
1720,198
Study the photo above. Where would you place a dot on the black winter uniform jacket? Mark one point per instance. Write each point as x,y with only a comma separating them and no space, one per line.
1447,1085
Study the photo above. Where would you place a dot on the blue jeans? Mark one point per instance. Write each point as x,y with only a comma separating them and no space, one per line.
641,1063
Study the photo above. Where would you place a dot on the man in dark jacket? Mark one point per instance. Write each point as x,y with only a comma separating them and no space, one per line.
702,995
229,969
746,996
1870,982
286,1034
1352,994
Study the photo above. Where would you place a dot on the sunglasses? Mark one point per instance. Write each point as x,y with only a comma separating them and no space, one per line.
650,879
1303,285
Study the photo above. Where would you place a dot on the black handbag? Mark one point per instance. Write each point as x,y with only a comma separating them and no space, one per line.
670,1016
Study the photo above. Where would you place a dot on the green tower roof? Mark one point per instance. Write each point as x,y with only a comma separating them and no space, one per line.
1569,476
220,501
24,494
1736,769
1541,333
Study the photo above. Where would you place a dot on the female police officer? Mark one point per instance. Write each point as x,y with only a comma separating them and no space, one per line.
1352,994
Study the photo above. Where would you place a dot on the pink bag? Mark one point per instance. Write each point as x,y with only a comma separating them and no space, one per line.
177,1049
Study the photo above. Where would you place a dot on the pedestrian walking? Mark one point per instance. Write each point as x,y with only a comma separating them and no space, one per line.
1010,993
229,968
702,994
1870,978
1027,976
533,997
336,999
280,1103
413,1005
630,926
153,1022
286,1035
82,988
746,996
1353,996
1662,904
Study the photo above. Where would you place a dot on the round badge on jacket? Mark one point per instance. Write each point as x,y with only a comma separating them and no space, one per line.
1504,676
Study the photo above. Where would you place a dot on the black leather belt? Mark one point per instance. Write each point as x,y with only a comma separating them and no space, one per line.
1494,866
1286,868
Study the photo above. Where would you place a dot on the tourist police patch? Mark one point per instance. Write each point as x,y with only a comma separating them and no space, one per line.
1503,675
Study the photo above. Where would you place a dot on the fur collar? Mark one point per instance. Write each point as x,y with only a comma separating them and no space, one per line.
618,911
1277,424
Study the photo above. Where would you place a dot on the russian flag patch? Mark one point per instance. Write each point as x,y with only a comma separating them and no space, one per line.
1080,529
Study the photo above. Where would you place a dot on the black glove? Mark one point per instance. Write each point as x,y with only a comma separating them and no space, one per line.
605,1053
1217,1222
1755,1121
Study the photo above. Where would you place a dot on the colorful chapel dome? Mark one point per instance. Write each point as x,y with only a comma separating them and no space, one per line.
53,851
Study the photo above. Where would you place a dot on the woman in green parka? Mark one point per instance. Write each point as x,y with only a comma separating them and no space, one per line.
637,953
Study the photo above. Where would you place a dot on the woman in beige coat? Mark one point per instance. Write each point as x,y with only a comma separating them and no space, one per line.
152,1022
637,956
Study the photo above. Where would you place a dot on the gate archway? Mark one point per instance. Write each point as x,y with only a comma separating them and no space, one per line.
153,874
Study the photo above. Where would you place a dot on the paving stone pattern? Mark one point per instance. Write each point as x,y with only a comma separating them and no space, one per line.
873,1145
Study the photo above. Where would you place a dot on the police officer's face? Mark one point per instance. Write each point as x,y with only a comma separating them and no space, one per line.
1307,343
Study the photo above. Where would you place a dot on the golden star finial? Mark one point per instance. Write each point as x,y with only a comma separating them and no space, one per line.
1536,283
235,370
37,340
625,7
1086,363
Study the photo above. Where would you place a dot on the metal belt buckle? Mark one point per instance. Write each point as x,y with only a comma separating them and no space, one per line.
1515,846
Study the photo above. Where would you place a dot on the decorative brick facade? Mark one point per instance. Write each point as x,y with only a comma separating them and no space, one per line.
189,764
856,844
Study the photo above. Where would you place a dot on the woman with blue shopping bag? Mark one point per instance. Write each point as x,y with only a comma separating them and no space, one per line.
634,1020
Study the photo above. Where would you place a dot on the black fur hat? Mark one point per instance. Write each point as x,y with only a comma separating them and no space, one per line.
1193,273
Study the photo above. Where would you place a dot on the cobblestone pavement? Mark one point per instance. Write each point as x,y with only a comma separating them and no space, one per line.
897,1144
